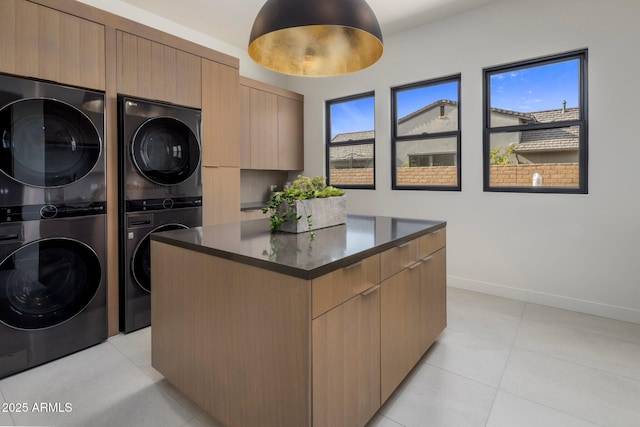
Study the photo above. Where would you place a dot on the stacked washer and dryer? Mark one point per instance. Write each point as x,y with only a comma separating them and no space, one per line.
160,190
52,222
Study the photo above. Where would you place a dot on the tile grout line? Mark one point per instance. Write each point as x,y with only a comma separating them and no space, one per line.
499,387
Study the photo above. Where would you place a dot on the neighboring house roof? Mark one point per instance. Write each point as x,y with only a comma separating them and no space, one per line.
354,136
561,139
352,152
427,108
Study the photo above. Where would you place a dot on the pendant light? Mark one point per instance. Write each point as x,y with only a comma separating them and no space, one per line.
315,38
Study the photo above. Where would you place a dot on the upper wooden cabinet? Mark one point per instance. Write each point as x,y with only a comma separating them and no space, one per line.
44,43
155,71
220,115
271,127
290,134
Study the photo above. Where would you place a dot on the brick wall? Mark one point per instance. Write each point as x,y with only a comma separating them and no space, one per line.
432,175
553,175
357,176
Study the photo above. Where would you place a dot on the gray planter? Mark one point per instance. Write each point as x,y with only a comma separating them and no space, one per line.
325,212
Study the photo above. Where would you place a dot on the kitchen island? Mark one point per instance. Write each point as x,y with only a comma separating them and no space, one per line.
285,330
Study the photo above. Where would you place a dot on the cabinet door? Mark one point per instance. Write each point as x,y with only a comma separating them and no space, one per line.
264,130
220,115
400,328
290,134
220,195
155,71
41,42
245,127
433,297
346,362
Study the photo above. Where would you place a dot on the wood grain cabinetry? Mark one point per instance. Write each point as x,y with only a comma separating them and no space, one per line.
221,195
264,131
44,43
346,362
151,70
400,328
271,127
413,305
290,134
220,115
344,340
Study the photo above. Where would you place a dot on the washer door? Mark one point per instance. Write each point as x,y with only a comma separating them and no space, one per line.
141,258
47,143
47,282
165,151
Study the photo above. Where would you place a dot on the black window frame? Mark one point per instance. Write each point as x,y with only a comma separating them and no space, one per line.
582,122
457,78
328,144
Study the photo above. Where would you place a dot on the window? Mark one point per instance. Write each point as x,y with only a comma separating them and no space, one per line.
351,141
535,115
426,135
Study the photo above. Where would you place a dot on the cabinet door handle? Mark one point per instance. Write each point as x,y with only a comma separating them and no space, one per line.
413,266
349,267
425,259
370,290
404,245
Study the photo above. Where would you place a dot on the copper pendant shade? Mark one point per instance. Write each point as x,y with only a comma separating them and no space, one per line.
315,38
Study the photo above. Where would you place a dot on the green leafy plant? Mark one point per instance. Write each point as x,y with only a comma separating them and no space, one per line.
282,204
501,159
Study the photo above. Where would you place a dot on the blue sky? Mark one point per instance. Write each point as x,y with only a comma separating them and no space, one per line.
532,89
538,88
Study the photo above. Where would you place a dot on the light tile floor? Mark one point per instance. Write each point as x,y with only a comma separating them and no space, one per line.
499,363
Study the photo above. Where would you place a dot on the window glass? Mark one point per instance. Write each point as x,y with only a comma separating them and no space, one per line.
535,125
426,135
351,142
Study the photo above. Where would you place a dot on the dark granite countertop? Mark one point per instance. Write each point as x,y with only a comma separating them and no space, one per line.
298,255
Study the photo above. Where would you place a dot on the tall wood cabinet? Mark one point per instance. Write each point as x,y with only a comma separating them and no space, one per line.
271,135
44,43
152,70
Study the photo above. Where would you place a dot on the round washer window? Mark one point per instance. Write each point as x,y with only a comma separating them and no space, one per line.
165,151
47,143
141,259
47,282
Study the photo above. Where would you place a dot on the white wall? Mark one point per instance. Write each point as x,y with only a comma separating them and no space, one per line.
248,67
579,252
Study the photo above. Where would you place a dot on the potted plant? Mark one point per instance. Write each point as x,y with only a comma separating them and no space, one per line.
320,205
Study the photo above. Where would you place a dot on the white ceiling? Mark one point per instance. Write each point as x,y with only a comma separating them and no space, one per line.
231,20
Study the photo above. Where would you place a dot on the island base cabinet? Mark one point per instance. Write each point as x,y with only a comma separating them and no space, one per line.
233,338
400,328
346,362
433,297
413,314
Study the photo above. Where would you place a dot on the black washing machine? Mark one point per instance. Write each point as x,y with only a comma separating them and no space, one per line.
160,190
51,147
136,294
159,154
52,222
53,299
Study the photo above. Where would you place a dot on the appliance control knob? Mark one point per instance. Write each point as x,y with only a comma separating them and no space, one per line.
48,211
167,203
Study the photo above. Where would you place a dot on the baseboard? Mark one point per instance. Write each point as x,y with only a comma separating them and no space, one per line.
558,301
